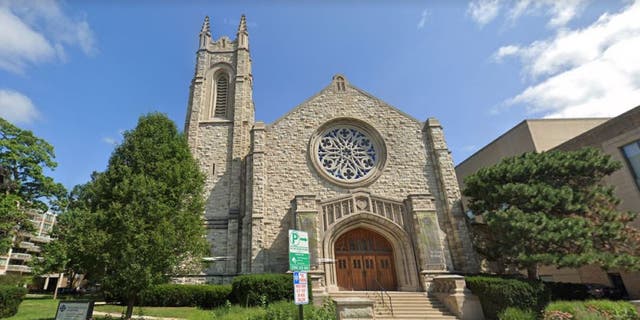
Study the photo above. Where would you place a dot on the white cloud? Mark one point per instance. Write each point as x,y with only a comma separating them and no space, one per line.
559,12
20,44
505,51
483,11
110,140
423,19
33,32
16,107
593,71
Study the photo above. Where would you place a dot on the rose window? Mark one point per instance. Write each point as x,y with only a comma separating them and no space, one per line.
346,153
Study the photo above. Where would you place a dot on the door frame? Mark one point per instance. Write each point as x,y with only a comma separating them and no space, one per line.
404,259
364,267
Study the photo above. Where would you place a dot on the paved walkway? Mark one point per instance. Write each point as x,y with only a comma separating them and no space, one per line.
117,315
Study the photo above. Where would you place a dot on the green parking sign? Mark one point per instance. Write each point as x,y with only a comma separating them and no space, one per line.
298,251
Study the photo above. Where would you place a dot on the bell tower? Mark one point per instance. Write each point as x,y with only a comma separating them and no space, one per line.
220,115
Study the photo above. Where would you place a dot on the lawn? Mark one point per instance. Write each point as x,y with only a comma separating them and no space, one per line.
36,309
45,309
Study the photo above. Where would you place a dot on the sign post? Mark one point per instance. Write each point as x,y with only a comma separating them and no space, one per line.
299,264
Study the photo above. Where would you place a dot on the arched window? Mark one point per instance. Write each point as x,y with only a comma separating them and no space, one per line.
221,96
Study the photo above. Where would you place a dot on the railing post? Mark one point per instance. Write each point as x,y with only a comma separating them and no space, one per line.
451,290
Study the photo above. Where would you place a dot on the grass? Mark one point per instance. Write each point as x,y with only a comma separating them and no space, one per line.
44,308
167,312
36,309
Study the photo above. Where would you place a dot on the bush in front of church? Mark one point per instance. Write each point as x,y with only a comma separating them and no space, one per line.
497,294
591,310
10,299
182,295
260,289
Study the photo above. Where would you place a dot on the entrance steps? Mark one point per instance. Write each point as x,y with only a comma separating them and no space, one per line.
404,305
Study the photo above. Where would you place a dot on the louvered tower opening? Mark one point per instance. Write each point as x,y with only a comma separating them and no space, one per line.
222,96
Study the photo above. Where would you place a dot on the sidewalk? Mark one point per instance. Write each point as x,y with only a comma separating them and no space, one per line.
117,315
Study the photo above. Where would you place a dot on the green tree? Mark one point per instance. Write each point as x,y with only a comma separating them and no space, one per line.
23,184
133,225
552,208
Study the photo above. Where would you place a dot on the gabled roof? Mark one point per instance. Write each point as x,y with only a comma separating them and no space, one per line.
331,87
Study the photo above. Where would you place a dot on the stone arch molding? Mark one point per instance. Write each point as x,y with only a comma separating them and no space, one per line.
403,253
209,90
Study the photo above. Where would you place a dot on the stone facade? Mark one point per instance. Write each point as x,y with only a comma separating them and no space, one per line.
264,179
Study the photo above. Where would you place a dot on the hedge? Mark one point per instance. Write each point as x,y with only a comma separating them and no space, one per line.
182,295
591,310
497,294
257,289
10,299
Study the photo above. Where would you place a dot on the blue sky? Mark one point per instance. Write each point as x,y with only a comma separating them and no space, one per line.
78,73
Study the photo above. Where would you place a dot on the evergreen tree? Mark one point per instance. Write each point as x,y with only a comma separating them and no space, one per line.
133,225
552,208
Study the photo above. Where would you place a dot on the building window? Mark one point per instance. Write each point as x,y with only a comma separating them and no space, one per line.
221,96
348,152
632,154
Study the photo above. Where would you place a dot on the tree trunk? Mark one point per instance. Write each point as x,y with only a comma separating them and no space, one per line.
532,272
129,311
55,291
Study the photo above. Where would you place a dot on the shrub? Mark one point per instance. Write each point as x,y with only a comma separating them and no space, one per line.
10,299
516,314
12,280
289,311
497,294
257,289
181,295
591,309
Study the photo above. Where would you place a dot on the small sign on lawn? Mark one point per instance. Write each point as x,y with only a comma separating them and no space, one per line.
74,310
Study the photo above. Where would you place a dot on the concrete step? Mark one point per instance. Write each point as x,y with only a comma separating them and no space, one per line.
406,305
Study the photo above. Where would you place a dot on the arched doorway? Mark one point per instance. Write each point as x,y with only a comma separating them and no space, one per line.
364,261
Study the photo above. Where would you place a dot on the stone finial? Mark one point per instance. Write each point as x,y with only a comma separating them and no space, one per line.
243,35
205,26
243,24
205,33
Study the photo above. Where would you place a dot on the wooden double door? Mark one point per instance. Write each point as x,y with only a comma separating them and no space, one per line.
364,261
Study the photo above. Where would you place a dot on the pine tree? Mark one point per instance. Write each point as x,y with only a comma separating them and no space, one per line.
552,208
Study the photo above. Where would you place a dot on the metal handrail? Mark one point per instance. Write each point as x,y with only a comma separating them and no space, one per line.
384,291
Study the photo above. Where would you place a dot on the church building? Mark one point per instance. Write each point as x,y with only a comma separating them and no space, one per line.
374,187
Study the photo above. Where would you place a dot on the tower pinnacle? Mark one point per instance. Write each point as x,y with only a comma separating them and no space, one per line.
205,26
243,24
205,33
243,34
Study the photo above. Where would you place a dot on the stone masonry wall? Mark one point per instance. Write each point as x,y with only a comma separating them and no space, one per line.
408,168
